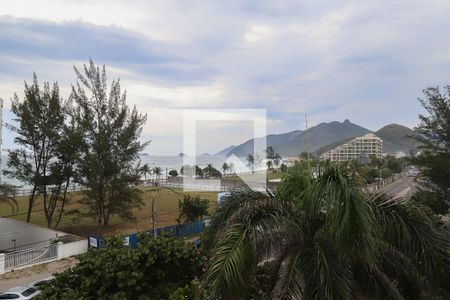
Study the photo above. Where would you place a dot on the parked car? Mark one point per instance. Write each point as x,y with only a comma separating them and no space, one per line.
20,293
38,284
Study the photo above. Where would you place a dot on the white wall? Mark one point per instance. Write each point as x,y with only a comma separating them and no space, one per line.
71,249
2,263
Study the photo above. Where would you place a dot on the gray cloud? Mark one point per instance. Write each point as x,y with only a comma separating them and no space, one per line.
366,61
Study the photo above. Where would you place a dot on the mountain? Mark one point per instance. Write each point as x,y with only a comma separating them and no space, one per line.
293,143
395,138
325,148
320,135
324,137
225,151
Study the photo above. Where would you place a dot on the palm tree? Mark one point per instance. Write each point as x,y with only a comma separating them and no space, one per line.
145,169
225,168
157,172
324,238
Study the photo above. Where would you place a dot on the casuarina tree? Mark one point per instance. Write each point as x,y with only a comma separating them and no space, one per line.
108,164
45,158
433,135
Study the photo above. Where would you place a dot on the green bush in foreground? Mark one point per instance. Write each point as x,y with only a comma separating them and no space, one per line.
155,270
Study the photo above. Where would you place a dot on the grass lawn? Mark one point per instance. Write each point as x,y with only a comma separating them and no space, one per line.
271,176
166,207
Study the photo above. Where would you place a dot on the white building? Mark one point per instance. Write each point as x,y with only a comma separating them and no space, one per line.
359,147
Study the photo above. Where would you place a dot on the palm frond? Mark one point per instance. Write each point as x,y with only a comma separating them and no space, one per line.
259,229
289,281
326,276
399,268
348,214
387,283
406,227
229,269
294,183
225,210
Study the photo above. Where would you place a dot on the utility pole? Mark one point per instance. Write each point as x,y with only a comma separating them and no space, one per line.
1,127
154,195
306,142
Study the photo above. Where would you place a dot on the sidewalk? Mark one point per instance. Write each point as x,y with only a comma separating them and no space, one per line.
26,276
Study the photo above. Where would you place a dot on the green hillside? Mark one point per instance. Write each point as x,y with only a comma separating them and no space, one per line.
294,142
326,136
395,138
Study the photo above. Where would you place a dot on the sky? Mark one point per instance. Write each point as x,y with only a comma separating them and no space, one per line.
367,61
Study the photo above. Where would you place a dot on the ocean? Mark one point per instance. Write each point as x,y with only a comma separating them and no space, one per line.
170,163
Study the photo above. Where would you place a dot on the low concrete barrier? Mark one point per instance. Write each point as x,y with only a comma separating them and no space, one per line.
30,257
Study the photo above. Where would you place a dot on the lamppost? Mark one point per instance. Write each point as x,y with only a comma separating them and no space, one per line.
14,251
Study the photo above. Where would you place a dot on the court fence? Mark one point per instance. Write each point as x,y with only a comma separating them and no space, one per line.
179,230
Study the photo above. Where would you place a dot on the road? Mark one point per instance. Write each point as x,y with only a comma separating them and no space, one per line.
400,188
29,275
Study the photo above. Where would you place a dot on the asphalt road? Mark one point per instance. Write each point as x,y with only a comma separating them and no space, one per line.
403,187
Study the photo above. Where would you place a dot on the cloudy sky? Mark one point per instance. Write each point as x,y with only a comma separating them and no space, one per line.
367,61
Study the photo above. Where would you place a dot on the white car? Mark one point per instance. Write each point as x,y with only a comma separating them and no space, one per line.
20,293
38,284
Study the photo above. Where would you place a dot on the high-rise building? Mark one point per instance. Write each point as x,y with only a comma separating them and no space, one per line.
358,148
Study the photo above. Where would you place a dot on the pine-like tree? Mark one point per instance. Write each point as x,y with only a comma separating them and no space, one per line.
433,135
108,164
42,160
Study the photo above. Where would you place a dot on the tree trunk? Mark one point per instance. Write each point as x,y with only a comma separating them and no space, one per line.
30,203
101,203
106,215
47,206
63,202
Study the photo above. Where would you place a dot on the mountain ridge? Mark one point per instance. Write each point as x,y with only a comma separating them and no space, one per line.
396,137
325,136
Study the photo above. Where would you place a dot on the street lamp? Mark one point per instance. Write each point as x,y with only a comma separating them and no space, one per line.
14,255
